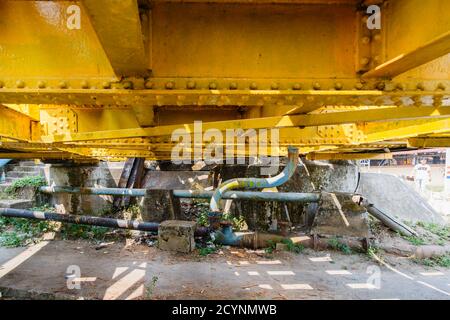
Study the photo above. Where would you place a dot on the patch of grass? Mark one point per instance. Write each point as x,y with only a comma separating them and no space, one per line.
16,232
417,241
271,245
293,247
442,232
77,231
441,261
206,251
149,289
35,182
339,246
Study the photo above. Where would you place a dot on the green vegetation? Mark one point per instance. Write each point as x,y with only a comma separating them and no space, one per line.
35,182
207,250
338,245
16,232
443,232
441,261
78,231
149,288
238,223
290,246
417,241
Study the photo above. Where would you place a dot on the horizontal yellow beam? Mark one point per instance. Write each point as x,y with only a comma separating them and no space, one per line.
381,114
14,125
348,156
429,143
407,61
38,155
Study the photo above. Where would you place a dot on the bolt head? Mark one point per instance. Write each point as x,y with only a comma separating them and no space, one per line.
84,84
381,86
190,85
213,85
1,84
62,85
364,61
128,85
338,86
316,86
420,86
233,86
274,86
365,40
400,86
41,84
359,85
440,86
20,84
170,85
253,86
297,86
106,85
148,85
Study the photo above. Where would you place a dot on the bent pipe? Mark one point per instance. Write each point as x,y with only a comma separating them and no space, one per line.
253,183
89,220
247,195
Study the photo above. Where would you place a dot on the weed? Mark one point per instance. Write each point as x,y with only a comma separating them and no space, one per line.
149,289
271,245
293,247
35,182
415,240
16,232
74,231
238,223
202,219
206,250
442,232
440,261
337,245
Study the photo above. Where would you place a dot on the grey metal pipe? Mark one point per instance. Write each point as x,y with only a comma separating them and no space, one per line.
389,221
88,220
247,195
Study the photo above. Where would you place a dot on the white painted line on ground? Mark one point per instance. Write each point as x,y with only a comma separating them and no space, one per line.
296,286
281,273
321,259
265,286
244,263
431,273
236,274
434,288
253,273
338,272
386,299
268,262
361,286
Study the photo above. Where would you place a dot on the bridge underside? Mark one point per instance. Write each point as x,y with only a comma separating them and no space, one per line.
135,71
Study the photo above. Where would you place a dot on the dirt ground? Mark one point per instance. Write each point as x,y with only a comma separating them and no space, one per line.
125,270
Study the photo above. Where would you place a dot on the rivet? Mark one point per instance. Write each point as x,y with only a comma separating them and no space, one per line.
106,85
381,85
190,85
128,85
440,86
20,84
296,86
253,86
62,85
420,86
233,86
338,86
316,86
400,86
1,84
359,85
148,84
376,59
41,84
365,40
84,84
364,61
213,85
364,19
377,37
274,86
170,85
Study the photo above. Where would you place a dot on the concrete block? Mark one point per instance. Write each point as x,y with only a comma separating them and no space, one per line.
159,205
335,212
177,235
16,204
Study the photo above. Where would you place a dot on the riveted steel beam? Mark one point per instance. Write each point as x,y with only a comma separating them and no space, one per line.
347,156
373,115
118,27
15,125
406,61
429,142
